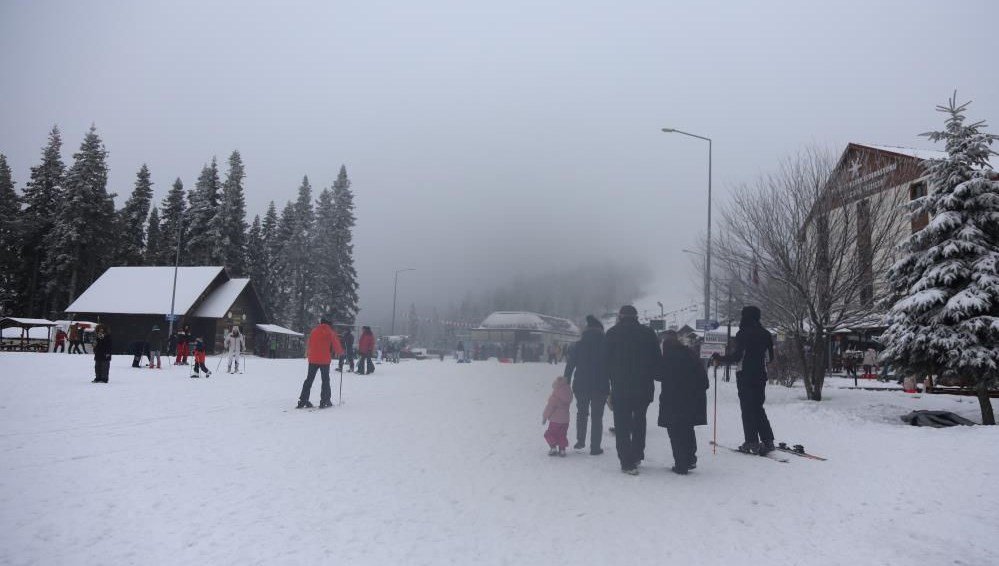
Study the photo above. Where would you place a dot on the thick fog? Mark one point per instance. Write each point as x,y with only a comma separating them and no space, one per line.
488,141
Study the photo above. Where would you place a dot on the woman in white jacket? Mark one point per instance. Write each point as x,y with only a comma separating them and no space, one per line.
235,343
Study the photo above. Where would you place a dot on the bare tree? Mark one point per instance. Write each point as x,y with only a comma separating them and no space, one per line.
812,248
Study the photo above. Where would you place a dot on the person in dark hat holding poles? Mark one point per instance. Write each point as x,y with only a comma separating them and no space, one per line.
631,352
682,400
323,343
752,344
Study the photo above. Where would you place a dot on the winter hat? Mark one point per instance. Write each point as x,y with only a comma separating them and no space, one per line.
750,316
628,311
324,320
592,322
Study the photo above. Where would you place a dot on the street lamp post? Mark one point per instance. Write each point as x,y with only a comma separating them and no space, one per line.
176,265
707,262
395,292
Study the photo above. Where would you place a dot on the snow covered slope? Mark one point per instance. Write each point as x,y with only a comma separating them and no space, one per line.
440,463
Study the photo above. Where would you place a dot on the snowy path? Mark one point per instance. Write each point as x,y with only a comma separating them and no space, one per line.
436,463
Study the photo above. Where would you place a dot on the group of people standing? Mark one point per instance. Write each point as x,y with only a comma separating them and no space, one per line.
74,336
618,369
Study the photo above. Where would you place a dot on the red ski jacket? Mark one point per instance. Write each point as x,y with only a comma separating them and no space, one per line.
322,342
366,346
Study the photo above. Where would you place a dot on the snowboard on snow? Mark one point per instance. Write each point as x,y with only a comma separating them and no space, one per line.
770,456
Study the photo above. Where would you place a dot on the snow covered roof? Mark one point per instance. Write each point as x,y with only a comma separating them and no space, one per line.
919,153
220,301
34,333
25,322
145,290
275,329
528,321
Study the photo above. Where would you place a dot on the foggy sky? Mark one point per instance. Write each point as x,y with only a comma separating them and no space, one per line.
486,140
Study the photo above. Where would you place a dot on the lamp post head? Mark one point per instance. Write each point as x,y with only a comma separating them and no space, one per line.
668,130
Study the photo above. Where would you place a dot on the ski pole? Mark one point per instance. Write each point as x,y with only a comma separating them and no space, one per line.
340,401
218,365
714,425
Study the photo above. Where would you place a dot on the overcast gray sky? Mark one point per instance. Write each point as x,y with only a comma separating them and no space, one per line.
488,139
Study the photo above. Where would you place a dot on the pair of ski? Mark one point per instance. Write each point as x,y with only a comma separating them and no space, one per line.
797,450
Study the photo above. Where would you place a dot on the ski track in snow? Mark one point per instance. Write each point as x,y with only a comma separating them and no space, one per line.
441,463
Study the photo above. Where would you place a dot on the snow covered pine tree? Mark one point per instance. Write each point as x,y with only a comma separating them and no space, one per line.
945,289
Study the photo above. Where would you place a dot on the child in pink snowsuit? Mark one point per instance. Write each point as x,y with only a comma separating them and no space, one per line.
557,416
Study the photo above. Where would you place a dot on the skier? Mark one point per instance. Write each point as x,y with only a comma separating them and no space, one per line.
348,348
870,360
182,350
323,342
682,400
74,339
587,373
102,354
155,340
752,344
556,414
199,352
366,348
60,341
459,352
632,356
235,343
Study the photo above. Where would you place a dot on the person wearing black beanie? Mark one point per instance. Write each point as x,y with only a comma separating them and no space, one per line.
752,344
590,384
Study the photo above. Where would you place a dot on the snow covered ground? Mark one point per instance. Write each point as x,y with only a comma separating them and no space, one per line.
440,463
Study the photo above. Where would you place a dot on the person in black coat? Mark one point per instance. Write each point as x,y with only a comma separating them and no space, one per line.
348,350
682,400
586,371
752,344
102,353
631,352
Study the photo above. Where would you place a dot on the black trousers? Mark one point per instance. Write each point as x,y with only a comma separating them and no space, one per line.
629,431
59,347
349,358
101,370
684,444
590,406
365,365
752,395
200,366
324,392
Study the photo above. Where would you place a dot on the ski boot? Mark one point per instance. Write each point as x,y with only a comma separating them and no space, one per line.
579,446
553,451
325,404
766,447
304,405
561,452
679,470
596,451
749,448
195,376
208,373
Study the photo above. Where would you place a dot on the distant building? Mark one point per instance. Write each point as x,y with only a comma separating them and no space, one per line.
525,328
131,300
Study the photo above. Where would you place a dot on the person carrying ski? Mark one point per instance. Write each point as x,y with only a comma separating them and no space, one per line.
235,343
366,349
556,415
60,341
631,352
199,352
752,344
323,343
348,348
682,400
102,353
586,371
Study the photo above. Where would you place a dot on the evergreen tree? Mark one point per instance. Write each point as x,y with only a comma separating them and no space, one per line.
345,308
10,238
42,197
282,283
231,223
172,225
271,250
132,221
297,257
80,244
256,260
945,316
203,243
154,240
326,258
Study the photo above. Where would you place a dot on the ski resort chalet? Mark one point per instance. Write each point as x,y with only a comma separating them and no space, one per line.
524,328
131,300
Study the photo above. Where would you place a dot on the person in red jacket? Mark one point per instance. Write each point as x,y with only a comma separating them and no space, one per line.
366,349
323,343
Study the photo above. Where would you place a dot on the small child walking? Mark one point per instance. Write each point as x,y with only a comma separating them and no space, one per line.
557,416
199,358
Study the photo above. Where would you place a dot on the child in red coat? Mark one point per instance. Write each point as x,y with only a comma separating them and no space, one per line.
557,416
